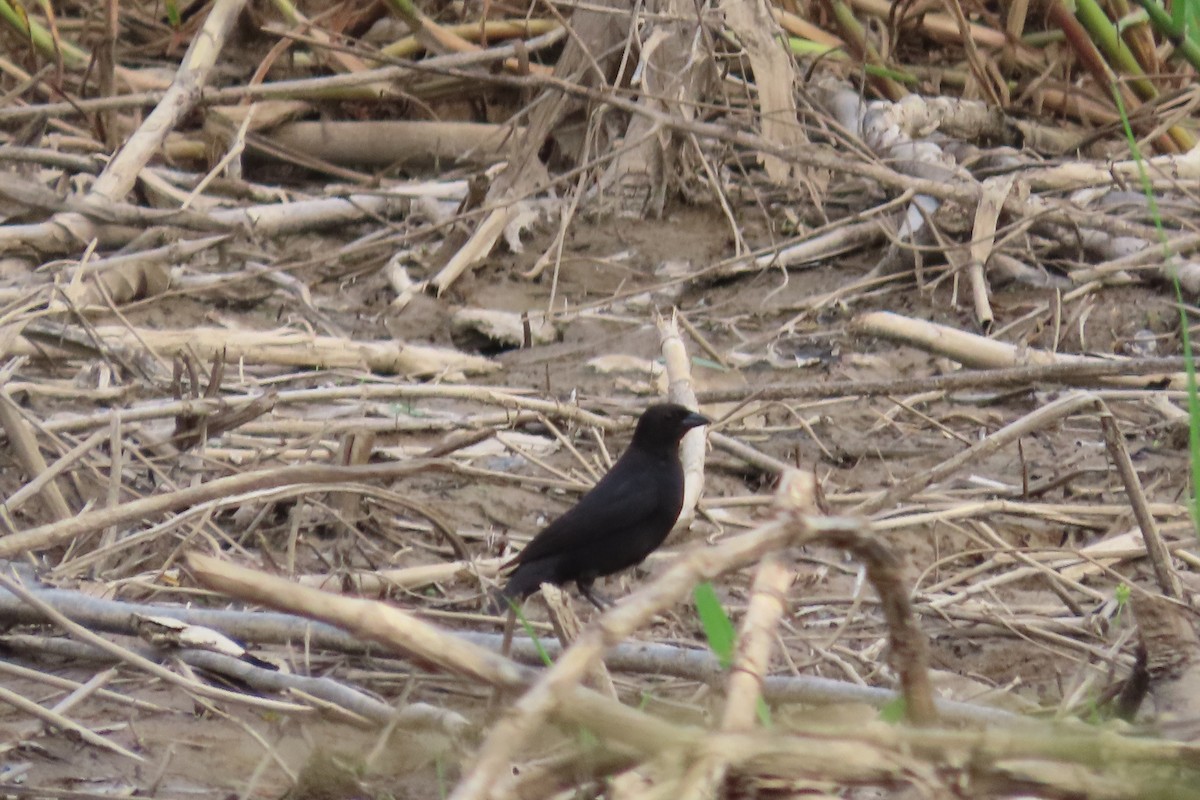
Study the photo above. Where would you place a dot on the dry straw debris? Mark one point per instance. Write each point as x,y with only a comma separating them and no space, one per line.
311,313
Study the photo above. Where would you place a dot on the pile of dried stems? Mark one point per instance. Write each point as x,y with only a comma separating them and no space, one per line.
344,149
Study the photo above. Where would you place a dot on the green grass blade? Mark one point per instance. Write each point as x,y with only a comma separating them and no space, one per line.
717,627
530,632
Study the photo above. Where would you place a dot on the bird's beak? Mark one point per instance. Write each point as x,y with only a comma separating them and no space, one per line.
694,420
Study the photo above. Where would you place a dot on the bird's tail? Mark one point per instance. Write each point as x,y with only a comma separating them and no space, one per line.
499,600
524,581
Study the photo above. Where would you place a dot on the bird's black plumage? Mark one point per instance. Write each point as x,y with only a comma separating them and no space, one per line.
623,519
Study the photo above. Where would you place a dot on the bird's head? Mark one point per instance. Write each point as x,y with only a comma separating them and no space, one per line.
665,424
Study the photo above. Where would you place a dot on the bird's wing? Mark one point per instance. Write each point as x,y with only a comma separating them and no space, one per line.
625,497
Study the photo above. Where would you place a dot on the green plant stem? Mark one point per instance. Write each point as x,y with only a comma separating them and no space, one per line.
72,56
1132,18
287,10
1105,34
1079,37
408,12
1109,38
531,633
856,39
1189,362
809,48
1185,48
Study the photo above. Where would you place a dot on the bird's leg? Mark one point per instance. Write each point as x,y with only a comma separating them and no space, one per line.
595,598
510,624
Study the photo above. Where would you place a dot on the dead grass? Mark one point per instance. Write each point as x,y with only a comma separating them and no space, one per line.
255,361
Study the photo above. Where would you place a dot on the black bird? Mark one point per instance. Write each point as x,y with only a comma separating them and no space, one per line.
623,519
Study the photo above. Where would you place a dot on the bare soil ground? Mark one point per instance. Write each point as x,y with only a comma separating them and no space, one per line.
1024,562
856,446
